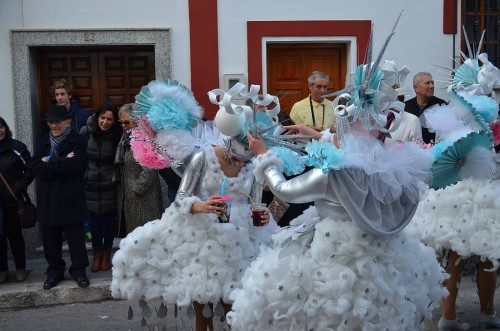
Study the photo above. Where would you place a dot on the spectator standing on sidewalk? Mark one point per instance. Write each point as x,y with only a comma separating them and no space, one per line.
62,92
102,133
14,156
315,111
59,167
139,193
423,84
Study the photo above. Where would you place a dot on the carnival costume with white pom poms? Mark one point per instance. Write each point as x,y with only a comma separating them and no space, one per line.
344,264
332,270
184,257
465,217
188,257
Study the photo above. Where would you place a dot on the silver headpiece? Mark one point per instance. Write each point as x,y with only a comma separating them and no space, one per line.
235,120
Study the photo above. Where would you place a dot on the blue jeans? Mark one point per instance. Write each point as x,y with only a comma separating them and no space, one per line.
103,230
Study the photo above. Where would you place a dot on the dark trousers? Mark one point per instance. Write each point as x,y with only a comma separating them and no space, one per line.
102,228
1,221
171,193
52,249
13,233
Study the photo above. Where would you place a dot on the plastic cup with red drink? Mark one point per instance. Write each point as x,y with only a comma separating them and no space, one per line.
258,210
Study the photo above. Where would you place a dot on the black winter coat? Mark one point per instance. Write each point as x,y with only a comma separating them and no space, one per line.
15,170
60,186
101,191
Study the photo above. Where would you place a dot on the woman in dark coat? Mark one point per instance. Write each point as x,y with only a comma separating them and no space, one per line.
14,156
59,166
102,133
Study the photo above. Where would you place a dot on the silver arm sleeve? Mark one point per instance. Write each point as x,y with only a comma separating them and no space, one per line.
307,187
190,178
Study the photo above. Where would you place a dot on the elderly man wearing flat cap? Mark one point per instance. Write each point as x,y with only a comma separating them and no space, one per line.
59,167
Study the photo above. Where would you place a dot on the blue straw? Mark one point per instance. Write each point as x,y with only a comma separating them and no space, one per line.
223,188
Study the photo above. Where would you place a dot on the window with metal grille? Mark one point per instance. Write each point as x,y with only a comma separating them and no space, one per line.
479,15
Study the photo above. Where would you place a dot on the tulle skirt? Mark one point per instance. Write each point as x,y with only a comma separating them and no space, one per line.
336,277
184,259
464,217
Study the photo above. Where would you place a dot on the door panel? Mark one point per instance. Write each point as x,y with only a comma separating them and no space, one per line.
289,66
124,74
79,69
100,74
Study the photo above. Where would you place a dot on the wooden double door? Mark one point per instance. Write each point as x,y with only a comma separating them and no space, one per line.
98,75
289,66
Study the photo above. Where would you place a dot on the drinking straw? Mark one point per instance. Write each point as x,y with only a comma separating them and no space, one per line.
249,197
223,188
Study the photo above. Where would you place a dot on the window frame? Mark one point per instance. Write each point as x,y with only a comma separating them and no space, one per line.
475,30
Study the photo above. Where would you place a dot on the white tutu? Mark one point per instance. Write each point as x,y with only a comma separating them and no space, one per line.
337,277
191,257
463,217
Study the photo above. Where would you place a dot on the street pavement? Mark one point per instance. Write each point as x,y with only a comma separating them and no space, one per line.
27,306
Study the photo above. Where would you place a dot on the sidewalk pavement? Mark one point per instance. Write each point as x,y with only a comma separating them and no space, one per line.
30,293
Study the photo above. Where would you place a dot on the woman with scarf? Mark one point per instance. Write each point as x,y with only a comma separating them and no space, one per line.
139,190
59,167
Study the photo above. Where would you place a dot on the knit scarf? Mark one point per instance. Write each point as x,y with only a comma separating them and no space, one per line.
56,141
121,148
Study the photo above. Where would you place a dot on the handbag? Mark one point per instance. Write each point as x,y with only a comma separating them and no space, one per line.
26,210
278,208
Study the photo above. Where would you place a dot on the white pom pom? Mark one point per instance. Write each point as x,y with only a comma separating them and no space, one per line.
178,143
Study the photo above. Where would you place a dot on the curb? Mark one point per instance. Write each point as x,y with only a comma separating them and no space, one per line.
30,293
65,293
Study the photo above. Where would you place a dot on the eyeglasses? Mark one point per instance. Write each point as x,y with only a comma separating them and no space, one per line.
319,87
124,122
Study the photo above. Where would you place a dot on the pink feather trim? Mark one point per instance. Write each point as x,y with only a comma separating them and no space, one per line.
146,152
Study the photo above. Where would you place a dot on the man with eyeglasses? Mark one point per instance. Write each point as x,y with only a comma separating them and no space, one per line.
315,111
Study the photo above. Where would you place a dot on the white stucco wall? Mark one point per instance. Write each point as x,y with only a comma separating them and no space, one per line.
93,14
419,41
10,16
